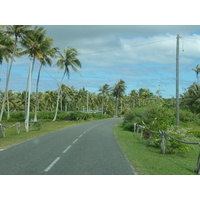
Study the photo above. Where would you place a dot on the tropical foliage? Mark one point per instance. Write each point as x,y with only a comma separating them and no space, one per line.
191,98
33,42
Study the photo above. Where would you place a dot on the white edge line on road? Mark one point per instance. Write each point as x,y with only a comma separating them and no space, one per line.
80,135
67,149
75,140
52,164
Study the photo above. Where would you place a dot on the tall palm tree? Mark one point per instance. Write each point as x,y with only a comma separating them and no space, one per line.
32,43
134,98
104,92
197,71
18,31
46,52
118,93
69,58
6,47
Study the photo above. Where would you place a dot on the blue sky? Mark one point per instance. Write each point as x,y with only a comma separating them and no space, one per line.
143,56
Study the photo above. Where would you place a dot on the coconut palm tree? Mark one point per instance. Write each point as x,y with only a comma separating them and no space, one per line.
18,31
134,98
32,43
69,58
197,71
105,89
118,93
46,52
6,47
191,98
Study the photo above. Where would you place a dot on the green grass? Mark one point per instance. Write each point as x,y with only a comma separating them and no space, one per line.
147,160
13,138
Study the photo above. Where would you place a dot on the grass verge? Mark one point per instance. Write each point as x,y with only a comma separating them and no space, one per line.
147,160
13,138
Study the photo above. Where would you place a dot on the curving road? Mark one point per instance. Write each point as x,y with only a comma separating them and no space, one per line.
85,149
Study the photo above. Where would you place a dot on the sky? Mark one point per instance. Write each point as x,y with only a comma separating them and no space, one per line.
144,56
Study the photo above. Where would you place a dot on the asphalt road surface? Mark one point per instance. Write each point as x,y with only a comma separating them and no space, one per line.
85,149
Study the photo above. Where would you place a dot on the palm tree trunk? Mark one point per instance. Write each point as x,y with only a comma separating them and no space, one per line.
8,108
6,89
102,104
121,106
36,95
61,107
116,107
29,95
55,116
7,79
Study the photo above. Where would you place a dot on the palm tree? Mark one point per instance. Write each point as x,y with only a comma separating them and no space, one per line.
134,97
49,99
118,93
46,53
18,31
197,70
104,92
32,43
69,58
191,97
6,47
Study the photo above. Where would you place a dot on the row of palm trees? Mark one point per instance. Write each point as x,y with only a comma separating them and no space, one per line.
19,40
110,100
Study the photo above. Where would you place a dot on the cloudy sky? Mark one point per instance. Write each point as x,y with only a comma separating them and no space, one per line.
144,56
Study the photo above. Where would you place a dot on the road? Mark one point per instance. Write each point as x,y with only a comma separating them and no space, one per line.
85,149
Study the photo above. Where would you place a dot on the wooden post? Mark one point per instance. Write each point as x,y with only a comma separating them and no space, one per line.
197,170
149,140
142,130
18,127
137,129
135,125
2,130
162,144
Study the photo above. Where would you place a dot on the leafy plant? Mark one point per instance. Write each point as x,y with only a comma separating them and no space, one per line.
175,147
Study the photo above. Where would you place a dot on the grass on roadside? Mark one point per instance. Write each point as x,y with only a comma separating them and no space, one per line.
147,160
46,127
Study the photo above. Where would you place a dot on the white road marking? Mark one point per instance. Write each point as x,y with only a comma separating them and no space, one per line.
52,164
80,135
67,149
75,141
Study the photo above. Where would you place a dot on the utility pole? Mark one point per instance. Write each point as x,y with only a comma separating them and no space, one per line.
177,80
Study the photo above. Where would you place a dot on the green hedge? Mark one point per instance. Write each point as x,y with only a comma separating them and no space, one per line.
48,116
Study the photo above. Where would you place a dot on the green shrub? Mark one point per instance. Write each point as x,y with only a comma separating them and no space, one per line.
45,115
161,118
17,116
154,117
196,133
187,116
175,147
128,126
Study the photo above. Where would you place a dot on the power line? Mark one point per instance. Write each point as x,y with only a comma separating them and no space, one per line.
131,46
192,41
50,75
190,65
